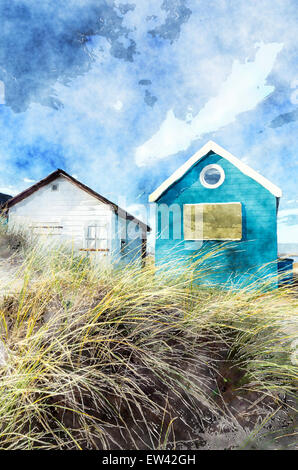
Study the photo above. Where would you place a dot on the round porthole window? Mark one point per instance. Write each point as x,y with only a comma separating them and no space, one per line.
212,176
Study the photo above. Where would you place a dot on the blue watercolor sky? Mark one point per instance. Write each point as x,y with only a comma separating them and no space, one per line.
121,94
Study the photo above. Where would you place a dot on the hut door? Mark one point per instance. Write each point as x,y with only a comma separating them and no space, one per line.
97,240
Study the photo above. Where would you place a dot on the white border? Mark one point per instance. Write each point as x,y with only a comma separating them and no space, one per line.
212,146
213,166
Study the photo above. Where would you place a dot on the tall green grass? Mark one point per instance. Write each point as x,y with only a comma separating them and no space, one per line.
122,357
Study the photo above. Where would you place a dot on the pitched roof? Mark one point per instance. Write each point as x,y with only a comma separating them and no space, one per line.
208,147
35,187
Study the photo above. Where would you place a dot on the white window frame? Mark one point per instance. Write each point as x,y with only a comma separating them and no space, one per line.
213,166
97,223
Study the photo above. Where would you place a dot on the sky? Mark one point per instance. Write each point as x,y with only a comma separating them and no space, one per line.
121,94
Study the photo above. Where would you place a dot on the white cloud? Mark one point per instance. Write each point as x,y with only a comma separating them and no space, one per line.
118,105
2,92
287,233
242,91
287,212
9,190
28,180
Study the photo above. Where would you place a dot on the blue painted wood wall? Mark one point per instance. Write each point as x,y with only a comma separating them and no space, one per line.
254,256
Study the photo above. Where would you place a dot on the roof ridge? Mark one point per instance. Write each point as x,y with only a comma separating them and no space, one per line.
59,172
213,146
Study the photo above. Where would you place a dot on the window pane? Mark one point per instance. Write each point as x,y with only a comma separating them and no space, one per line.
212,221
91,243
92,232
212,176
222,222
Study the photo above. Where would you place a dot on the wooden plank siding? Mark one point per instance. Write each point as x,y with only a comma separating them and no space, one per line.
66,213
68,207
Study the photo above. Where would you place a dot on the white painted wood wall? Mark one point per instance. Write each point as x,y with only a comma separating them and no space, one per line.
69,207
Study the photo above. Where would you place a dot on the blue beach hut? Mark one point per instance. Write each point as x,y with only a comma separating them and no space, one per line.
214,200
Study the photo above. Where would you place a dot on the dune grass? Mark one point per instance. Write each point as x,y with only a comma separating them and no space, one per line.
119,357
